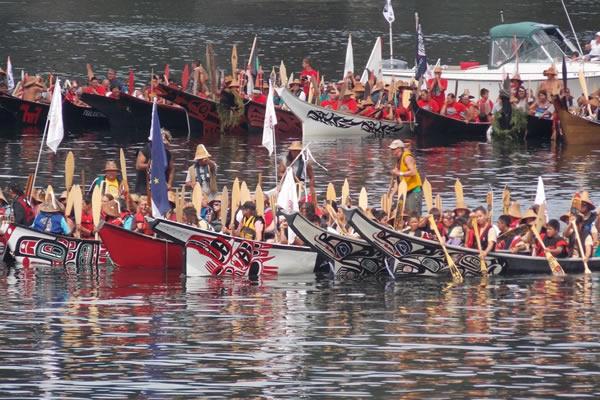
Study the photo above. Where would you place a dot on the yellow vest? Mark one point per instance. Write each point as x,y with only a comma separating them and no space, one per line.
248,230
412,182
112,187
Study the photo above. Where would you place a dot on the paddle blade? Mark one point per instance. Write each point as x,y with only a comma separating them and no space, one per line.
489,200
96,205
235,200
406,98
234,61
505,200
540,219
179,205
283,74
69,206
244,193
224,205
69,170
402,190
438,202
197,197
363,199
260,201
428,195
331,195
50,192
123,167
553,263
458,193
345,192
77,203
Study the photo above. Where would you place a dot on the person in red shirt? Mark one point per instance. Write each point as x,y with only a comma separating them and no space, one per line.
332,101
95,87
115,92
437,86
141,225
427,103
258,97
452,108
556,245
367,108
110,213
348,103
87,220
307,73
471,113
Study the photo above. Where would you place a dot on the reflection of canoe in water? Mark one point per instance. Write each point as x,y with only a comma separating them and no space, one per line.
128,113
320,121
576,129
417,256
205,110
30,113
211,253
129,249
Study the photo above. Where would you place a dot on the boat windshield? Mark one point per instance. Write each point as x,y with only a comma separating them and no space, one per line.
538,48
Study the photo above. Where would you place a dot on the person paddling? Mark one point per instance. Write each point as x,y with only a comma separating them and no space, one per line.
22,211
406,169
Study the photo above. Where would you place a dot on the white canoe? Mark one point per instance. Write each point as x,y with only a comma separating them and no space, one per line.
319,121
210,253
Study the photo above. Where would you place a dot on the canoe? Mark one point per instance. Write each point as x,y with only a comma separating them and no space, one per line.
128,113
538,129
417,256
30,246
576,129
129,249
30,113
210,253
319,121
352,258
205,110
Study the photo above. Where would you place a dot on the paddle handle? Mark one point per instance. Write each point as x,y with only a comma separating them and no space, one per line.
555,267
482,264
586,268
456,275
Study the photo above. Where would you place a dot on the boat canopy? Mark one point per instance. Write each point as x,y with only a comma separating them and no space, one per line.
531,42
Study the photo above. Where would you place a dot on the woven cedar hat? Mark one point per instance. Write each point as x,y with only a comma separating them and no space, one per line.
551,71
111,208
201,153
514,211
529,214
295,145
50,205
585,198
111,166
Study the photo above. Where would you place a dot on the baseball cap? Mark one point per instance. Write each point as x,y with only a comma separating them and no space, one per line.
396,144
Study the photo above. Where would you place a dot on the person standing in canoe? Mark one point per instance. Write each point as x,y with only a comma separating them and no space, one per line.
142,164
308,72
203,171
302,172
406,169
437,86
109,182
551,85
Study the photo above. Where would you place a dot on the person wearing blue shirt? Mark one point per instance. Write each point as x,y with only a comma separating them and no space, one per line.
50,219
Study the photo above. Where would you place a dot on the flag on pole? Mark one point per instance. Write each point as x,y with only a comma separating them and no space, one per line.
250,82
540,196
349,64
388,12
288,198
10,80
268,139
374,63
421,60
158,168
55,119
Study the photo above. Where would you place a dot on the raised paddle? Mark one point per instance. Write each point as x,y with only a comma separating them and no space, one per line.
505,200
69,170
458,194
283,74
438,202
552,261
224,206
456,275
77,207
123,170
345,192
234,61
428,195
540,219
331,195
244,193
363,199
69,205
586,268
29,186
584,87
260,201
402,192
235,201
489,199
482,264
96,207
197,198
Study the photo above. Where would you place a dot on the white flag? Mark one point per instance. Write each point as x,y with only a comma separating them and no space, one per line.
349,64
10,80
388,12
268,139
250,83
540,196
288,198
55,118
374,63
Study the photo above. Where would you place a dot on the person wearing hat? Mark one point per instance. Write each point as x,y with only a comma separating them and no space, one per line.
551,85
367,108
251,227
142,164
452,108
203,171
406,169
427,103
332,100
110,213
515,83
437,86
50,218
22,211
109,181
348,103
594,48
589,216
296,89
302,172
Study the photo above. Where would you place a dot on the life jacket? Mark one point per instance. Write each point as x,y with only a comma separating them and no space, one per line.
29,213
248,231
128,222
412,182
48,222
483,237
553,243
108,189
205,175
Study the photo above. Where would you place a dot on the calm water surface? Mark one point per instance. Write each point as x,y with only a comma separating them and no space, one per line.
109,333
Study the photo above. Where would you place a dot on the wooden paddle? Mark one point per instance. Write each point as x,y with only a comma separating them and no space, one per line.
77,196
179,205
244,193
402,192
96,207
438,202
50,192
458,194
345,192
283,74
29,186
123,170
234,61
505,200
540,219
69,205
489,199
428,195
260,201
584,88
333,216
235,201
456,275
482,264
69,170
363,199
331,195
197,198
224,206
552,261
586,268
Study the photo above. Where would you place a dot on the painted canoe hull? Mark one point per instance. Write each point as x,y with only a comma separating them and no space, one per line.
29,113
129,249
352,258
319,121
214,254
416,256
128,113
30,246
577,130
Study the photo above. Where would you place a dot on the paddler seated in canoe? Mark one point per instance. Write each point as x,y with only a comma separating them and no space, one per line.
359,91
33,89
86,230
505,241
296,89
348,103
587,241
527,240
487,234
50,218
412,228
542,107
551,85
251,227
589,216
22,211
452,108
427,103
94,87
115,92
554,243
203,171
471,113
406,169
452,230
109,182
437,86
214,216
332,100
143,211
302,172
367,108
110,213
593,102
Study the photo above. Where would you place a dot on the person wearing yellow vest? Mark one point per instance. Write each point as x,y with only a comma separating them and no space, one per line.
109,183
406,169
251,227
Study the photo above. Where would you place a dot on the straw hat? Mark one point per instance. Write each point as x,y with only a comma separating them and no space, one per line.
111,165
460,205
466,94
368,102
551,71
585,198
529,214
50,205
295,145
565,218
39,195
514,211
437,69
295,82
359,87
201,153
111,208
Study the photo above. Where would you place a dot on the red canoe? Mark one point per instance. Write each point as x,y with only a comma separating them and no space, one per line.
129,249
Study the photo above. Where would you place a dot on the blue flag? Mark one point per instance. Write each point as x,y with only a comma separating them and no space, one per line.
158,178
421,60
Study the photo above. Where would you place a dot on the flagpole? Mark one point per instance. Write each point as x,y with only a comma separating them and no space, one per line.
391,47
37,164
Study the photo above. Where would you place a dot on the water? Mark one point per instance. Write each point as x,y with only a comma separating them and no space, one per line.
112,333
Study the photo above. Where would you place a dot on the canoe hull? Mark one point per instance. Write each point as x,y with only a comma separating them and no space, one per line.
133,250
577,130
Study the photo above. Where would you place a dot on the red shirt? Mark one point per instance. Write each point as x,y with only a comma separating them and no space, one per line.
402,113
308,74
485,106
430,105
87,222
260,98
369,111
438,93
99,90
332,104
349,105
139,219
455,110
